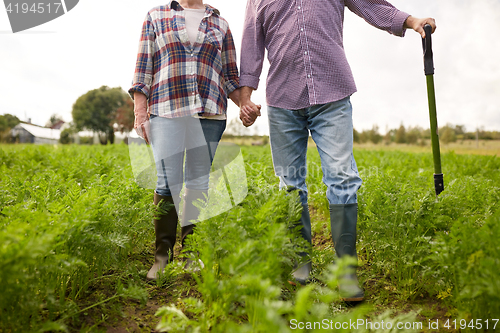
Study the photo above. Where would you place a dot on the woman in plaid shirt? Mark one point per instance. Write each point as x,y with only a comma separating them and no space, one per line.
186,68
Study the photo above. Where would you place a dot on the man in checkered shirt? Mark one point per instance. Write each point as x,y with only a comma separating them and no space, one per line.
308,89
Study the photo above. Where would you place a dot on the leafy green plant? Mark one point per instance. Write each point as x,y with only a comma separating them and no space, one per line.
69,218
467,260
76,239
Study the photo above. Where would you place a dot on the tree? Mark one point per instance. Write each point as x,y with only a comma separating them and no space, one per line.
125,116
401,134
460,130
389,136
7,122
447,134
68,134
235,128
3,124
65,137
97,109
413,134
54,119
364,136
355,136
374,135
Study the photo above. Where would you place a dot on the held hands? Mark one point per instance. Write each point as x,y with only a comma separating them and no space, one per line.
418,24
141,122
249,113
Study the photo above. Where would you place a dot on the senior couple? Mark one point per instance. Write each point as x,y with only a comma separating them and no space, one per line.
186,70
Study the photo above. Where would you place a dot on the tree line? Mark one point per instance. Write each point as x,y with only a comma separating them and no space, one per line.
418,136
107,110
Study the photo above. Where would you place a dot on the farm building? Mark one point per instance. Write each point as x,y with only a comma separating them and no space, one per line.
28,133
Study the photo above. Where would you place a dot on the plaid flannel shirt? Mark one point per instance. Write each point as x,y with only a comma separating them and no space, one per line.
180,79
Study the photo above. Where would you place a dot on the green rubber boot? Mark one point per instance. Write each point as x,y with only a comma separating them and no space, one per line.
165,221
301,274
190,214
343,220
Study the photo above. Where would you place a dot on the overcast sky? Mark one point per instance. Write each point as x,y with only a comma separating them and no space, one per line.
45,69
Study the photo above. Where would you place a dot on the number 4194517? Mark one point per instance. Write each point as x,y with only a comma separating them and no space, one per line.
36,8
473,324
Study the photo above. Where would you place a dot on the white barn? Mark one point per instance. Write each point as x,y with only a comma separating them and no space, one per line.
28,133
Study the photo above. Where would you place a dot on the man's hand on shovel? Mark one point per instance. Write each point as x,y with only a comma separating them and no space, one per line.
418,24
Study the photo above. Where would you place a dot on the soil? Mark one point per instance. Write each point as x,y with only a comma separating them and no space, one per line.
132,316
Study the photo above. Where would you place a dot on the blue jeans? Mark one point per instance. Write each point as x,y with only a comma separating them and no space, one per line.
332,130
184,149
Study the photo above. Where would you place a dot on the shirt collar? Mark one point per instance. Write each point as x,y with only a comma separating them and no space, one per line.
208,9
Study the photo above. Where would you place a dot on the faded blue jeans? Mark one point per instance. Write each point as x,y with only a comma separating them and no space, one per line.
331,128
183,150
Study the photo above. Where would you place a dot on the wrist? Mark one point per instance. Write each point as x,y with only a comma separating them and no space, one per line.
140,110
245,95
409,22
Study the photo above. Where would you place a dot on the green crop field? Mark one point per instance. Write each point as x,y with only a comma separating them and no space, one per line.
76,241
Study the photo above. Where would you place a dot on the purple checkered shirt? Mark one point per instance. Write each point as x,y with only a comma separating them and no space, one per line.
181,79
304,40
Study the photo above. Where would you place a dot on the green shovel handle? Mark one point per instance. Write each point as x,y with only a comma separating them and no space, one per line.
429,73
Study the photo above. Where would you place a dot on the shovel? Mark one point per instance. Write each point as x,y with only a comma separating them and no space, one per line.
429,74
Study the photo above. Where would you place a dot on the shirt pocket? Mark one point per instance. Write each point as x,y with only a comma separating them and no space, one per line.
214,36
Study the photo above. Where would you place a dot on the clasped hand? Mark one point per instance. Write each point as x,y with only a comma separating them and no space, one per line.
249,112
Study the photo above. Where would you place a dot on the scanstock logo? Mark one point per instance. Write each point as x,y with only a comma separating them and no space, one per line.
26,14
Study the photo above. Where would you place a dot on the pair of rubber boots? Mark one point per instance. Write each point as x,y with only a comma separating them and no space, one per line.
165,223
343,220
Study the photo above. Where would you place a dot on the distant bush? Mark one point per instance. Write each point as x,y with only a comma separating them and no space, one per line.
447,135
65,137
86,140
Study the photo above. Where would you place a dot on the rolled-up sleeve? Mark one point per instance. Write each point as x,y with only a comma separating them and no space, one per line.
143,75
229,66
252,48
380,14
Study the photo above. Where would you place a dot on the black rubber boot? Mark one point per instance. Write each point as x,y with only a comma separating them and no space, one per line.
343,220
190,214
301,273
165,221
